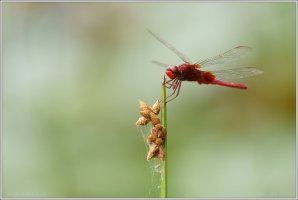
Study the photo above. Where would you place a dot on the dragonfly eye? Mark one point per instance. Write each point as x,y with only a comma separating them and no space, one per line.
170,74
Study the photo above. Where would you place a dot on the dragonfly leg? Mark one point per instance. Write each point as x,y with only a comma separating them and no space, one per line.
169,80
174,90
169,84
177,88
174,84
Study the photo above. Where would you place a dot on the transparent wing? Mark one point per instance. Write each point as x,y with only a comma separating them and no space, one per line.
160,63
226,56
236,73
169,46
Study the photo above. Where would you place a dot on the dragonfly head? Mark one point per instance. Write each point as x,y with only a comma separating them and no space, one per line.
171,72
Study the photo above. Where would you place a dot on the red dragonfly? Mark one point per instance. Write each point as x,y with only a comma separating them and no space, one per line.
189,71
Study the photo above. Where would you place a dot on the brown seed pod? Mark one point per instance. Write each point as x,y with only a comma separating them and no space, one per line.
159,141
153,151
162,133
158,126
142,121
161,153
154,130
156,107
154,119
146,113
150,139
144,106
157,136
152,136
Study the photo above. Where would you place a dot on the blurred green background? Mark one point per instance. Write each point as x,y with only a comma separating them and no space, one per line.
72,77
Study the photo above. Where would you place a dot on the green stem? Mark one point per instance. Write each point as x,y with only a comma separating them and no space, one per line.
163,180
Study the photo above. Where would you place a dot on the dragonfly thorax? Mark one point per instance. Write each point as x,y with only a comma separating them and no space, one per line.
183,72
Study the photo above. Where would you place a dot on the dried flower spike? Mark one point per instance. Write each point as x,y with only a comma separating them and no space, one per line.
142,121
162,133
152,136
145,113
144,106
159,141
153,151
156,107
154,119
161,153
156,138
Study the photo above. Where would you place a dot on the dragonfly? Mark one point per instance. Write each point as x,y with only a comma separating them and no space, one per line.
189,71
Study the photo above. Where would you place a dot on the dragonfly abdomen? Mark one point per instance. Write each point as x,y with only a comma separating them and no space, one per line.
205,77
229,84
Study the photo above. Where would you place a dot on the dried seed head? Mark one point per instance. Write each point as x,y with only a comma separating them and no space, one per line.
144,106
153,151
142,121
156,107
154,119
146,113
161,153
157,135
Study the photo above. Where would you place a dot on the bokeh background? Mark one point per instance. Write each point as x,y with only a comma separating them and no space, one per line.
72,77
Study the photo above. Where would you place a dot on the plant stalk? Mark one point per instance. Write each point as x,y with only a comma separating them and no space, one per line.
163,177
